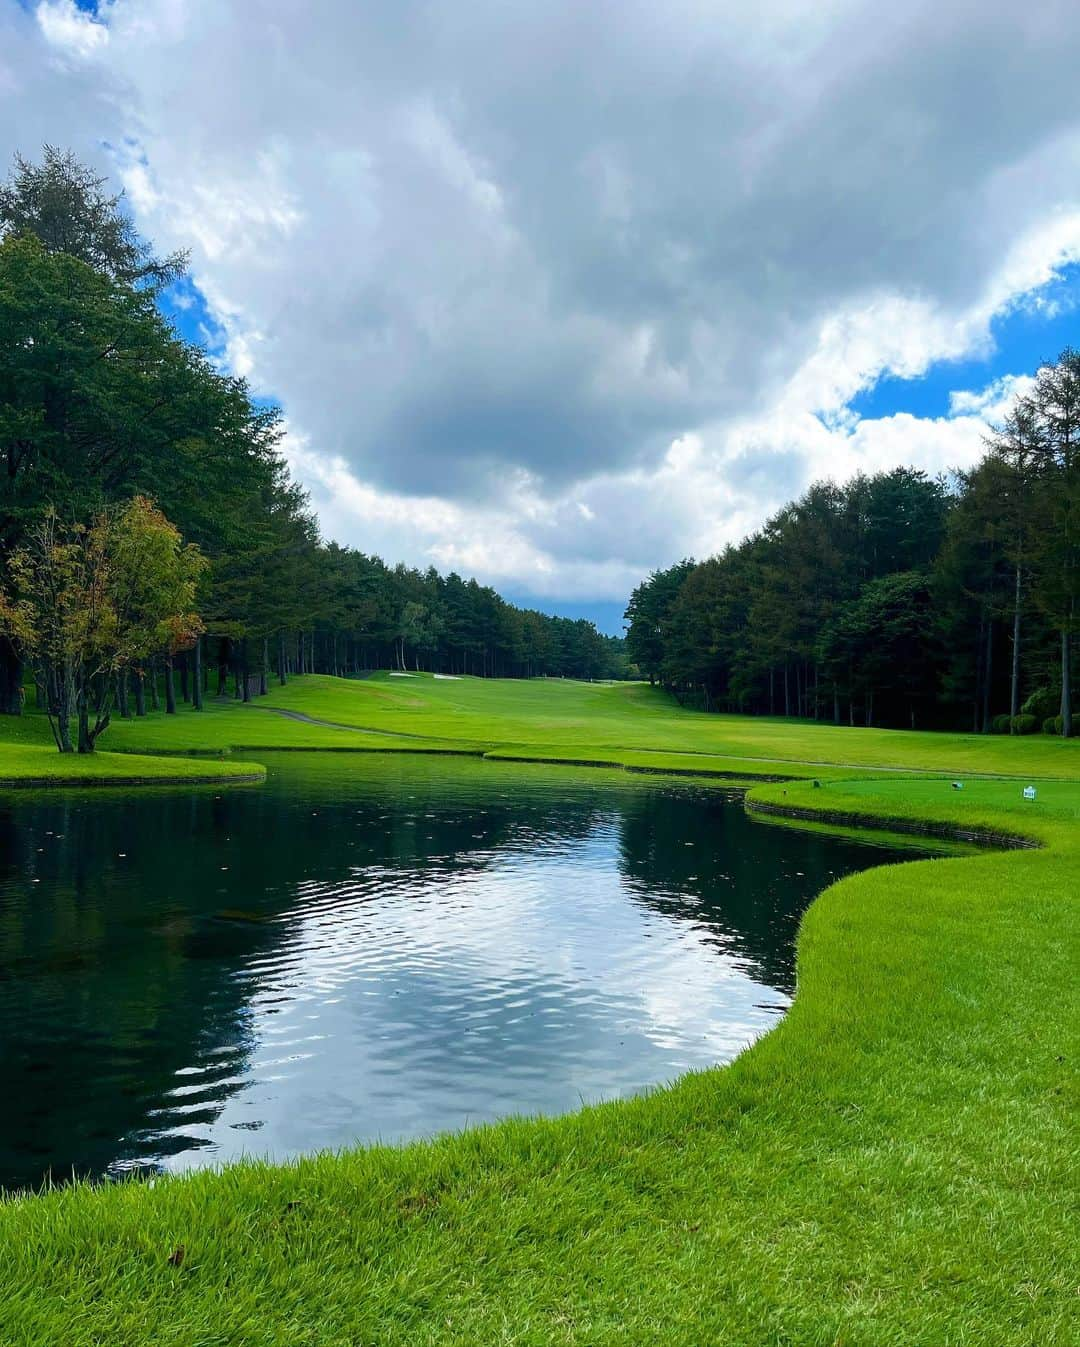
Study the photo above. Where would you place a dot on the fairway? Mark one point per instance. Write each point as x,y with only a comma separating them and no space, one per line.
616,724
632,722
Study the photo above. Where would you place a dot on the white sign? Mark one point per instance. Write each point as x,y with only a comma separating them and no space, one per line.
1029,792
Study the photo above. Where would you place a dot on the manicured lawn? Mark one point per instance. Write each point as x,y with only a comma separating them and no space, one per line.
28,757
633,721
894,1166
556,720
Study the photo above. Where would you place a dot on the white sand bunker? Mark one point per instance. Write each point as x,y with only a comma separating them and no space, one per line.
449,678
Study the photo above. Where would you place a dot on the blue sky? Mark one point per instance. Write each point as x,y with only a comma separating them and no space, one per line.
1022,338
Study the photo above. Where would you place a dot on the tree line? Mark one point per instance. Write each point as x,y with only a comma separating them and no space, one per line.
150,534
897,599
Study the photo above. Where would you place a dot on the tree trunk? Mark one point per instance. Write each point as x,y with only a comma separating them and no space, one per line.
282,676
170,687
63,718
787,692
88,737
11,675
988,670
58,697
976,697
122,704
86,744
155,704
246,695
1014,684
196,675
263,689
140,693
1066,683
185,681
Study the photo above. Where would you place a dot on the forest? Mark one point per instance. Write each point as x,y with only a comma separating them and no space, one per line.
897,599
152,542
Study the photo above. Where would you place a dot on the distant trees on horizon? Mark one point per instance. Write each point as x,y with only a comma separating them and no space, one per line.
895,599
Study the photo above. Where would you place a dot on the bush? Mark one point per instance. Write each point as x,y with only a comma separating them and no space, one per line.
1002,724
1052,725
1024,724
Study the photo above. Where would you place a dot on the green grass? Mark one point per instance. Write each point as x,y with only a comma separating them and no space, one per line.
621,722
28,757
629,725
895,1165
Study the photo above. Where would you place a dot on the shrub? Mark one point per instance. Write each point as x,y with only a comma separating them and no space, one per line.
1041,704
1002,724
1025,724
1052,725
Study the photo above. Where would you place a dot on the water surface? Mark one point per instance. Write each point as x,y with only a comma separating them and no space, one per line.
375,947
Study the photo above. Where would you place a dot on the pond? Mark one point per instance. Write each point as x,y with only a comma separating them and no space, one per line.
375,947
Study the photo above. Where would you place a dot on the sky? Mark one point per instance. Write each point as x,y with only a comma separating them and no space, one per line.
555,293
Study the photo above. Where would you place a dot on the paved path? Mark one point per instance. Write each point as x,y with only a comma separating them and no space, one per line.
337,725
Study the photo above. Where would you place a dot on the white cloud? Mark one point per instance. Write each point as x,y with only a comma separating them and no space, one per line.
992,402
70,30
558,295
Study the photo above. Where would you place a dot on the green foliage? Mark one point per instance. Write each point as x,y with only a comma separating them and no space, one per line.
1002,724
91,603
1024,724
895,599
65,205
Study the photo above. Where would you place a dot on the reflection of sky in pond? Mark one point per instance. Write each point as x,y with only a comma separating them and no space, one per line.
524,987
368,949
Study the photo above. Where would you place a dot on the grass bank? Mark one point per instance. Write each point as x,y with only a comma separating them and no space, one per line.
895,1165
28,758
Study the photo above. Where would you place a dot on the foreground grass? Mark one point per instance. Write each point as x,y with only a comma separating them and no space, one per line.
895,1164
